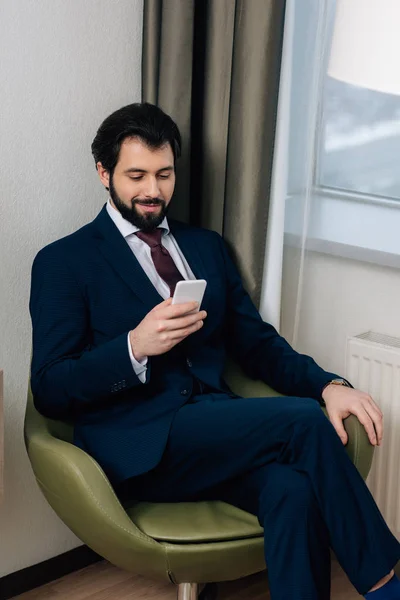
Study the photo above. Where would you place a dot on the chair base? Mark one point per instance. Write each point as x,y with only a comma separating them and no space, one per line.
190,591
187,591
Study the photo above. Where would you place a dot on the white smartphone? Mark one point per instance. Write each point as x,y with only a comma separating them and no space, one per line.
188,291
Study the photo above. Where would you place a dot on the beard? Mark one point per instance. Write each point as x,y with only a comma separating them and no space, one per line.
145,222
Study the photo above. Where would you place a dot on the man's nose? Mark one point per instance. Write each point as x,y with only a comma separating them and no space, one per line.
152,189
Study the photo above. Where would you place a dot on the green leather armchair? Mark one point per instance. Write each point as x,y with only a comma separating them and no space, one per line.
187,543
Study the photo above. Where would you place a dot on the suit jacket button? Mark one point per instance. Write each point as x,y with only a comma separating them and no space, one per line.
184,392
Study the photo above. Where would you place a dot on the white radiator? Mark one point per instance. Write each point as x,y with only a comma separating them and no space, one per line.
373,366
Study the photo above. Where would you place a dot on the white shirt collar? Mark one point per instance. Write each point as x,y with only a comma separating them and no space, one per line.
126,228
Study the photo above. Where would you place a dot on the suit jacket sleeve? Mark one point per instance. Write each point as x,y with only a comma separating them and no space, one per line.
261,351
66,371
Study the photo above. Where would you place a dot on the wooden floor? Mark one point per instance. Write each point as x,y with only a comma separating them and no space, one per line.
102,581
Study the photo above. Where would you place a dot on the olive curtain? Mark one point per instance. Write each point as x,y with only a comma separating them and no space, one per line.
214,66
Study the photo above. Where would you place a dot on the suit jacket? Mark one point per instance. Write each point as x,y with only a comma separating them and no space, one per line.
88,290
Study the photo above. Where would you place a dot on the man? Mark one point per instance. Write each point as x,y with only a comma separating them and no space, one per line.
142,379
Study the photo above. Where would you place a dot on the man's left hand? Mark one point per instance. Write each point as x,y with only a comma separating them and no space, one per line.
342,401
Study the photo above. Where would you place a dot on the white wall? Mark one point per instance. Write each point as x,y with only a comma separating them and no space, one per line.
341,298
65,65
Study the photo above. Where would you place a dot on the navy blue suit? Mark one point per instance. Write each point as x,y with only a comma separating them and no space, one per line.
269,456
88,290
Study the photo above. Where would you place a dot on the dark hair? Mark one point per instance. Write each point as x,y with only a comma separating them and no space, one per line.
144,121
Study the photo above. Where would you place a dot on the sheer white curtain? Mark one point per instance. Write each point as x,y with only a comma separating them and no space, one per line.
303,68
337,180
310,49
271,291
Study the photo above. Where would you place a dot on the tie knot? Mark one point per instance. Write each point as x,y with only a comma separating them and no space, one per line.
152,238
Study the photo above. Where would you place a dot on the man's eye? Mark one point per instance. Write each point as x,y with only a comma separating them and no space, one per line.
164,176
136,178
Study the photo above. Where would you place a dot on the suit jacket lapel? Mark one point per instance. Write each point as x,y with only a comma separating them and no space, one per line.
191,251
117,253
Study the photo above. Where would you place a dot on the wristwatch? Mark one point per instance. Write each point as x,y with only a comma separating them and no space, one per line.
337,381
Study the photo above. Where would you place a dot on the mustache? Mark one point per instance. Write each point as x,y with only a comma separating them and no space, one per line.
147,202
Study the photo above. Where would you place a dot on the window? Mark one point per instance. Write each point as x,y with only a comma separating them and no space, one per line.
360,149
342,165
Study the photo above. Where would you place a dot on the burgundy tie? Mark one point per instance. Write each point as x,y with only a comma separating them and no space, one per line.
162,260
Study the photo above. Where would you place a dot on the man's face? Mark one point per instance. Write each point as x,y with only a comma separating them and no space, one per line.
142,184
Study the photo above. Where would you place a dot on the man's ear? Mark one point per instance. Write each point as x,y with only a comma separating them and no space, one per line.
104,175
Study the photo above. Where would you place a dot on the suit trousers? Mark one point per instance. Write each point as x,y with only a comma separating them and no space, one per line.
282,460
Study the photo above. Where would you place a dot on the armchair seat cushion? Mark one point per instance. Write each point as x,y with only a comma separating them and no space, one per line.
194,522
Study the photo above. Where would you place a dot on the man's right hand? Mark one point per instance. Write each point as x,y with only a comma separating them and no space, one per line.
164,327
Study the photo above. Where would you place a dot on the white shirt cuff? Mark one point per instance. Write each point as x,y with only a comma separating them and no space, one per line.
139,366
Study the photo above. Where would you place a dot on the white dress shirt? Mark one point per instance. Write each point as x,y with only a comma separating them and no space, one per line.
142,252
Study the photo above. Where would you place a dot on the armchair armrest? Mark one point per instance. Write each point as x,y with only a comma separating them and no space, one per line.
359,448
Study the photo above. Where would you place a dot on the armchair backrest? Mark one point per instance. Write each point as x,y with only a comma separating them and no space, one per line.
38,425
243,385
